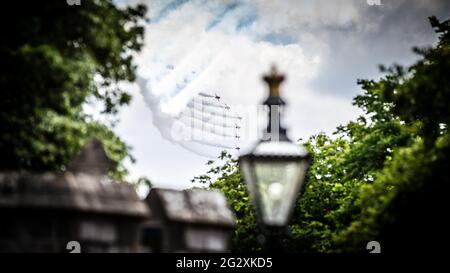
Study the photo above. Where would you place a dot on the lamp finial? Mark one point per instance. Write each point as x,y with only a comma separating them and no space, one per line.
274,80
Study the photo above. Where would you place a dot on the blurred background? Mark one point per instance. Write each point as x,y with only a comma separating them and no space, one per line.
366,86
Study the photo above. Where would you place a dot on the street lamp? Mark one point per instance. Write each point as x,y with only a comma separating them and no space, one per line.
275,168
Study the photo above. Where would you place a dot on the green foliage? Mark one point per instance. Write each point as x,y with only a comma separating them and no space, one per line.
225,176
55,58
63,131
405,206
382,177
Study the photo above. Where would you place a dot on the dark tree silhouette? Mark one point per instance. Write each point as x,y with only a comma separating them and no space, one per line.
55,57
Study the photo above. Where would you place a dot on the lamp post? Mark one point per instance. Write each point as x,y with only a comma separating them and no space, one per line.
274,170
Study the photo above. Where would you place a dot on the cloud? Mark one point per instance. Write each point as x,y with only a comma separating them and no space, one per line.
224,47
210,54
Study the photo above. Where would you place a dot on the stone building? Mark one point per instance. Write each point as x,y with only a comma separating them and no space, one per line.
188,221
82,210
44,212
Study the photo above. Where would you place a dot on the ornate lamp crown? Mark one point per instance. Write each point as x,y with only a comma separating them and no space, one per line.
274,80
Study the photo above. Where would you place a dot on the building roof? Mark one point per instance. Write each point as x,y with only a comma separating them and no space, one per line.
85,187
92,159
191,206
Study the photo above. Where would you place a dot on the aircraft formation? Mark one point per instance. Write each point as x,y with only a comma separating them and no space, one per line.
208,113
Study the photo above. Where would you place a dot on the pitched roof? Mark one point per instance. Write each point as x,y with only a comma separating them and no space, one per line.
191,206
85,187
92,159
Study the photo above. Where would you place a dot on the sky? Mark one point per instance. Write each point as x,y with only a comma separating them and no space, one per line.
196,49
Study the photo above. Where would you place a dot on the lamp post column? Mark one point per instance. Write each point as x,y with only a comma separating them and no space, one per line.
274,171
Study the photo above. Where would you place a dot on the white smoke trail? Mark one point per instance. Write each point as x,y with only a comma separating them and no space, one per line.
173,126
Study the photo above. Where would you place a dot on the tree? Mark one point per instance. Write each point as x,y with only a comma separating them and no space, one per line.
225,176
56,58
382,177
405,208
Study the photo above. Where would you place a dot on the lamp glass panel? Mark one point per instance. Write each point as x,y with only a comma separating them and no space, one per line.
277,184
